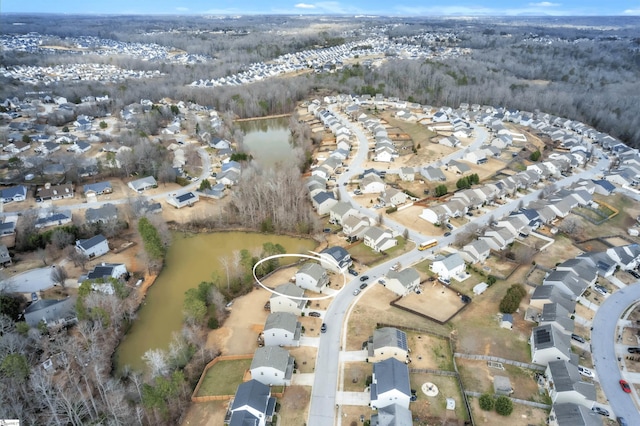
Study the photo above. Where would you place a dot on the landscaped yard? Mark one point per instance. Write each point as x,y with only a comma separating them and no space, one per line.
224,377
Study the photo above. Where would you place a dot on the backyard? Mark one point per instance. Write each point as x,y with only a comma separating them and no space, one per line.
224,377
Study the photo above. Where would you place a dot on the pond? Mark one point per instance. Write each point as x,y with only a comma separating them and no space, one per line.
190,260
267,139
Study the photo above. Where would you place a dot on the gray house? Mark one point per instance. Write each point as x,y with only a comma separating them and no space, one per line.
564,385
98,188
252,405
548,344
573,415
272,366
93,247
142,184
312,276
282,329
387,342
392,415
390,384
50,311
104,214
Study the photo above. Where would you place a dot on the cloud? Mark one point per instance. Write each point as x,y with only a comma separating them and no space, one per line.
182,9
544,4
304,6
632,12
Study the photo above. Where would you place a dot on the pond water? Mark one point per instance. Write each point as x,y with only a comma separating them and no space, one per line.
190,260
267,140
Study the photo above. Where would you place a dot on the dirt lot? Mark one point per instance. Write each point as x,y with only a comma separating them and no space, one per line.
305,357
351,414
206,414
429,352
355,376
436,301
561,250
294,405
410,218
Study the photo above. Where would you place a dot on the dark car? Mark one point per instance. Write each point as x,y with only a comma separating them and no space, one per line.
622,421
446,234
633,350
600,411
578,338
364,277
363,286
625,386
353,272
323,328
314,314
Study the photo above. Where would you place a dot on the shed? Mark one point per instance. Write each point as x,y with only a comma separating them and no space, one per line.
502,385
451,404
480,288
506,321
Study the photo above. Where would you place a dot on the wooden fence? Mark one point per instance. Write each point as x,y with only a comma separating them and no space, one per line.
195,398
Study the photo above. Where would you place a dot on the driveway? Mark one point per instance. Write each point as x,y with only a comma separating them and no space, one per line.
605,358
30,281
353,398
305,379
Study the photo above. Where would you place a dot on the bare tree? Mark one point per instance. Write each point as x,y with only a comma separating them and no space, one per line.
225,264
59,275
156,360
569,225
77,258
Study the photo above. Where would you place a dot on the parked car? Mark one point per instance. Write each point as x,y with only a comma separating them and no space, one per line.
600,289
323,328
382,281
622,421
364,277
449,226
327,230
585,372
446,234
314,314
633,350
363,286
600,411
578,338
356,292
34,297
353,272
625,386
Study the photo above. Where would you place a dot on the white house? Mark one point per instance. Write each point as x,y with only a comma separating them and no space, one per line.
142,184
448,267
387,342
331,256
282,329
252,404
564,385
340,211
548,344
379,239
390,384
476,251
181,200
288,300
372,184
93,247
402,282
312,276
13,193
272,366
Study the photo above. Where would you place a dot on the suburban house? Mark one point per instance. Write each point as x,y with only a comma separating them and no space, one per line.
393,197
448,267
569,414
558,315
53,219
252,405
312,276
282,329
378,239
272,366
548,344
338,255
476,251
355,226
407,174
387,342
392,415
458,167
498,238
50,311
100,188
433,174
107,213
544,294
390,384
402,282
627,257
605,266
13,193
93,247
55,192
568,282
105,271
5,257
142,184
341,211
564,385
372,184
285,302
181,200
323,201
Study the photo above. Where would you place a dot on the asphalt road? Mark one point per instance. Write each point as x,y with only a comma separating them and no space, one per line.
323,397
603,352
29,281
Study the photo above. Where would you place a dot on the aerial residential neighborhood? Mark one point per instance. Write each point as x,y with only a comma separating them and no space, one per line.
225,220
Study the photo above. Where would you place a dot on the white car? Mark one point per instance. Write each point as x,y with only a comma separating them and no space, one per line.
356,292
585,372
600,289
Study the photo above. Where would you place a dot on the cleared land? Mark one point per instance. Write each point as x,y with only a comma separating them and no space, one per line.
436,301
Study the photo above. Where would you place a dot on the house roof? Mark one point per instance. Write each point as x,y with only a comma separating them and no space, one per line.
392,415
566,378
314,270
321,197
91,242
341,208
97,187
103,270
252,394
553,294
271,356
390,337
289,289
451,261
281,320
104,213
390,374
143,182
570,414
406,276
54,217
336,252
13,191
187,196
548,336
555,312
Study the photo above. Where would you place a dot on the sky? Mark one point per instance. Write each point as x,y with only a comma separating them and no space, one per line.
348,7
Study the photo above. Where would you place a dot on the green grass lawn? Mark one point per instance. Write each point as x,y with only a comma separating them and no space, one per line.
224,377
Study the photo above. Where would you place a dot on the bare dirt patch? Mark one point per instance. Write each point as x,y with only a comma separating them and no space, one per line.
305,357
428,351
428,407
351,414
206,414
355,376
561,250
435,301
294,405
410,218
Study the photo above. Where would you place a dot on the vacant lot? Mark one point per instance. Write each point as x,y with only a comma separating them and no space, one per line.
561,250
429,351
355,376
294,405
436,301
305,357
224,377
409,218
206,414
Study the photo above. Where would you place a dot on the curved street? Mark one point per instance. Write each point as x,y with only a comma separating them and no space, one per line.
605,356
323,406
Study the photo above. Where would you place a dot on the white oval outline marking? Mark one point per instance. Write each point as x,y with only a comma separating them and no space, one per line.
316,257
